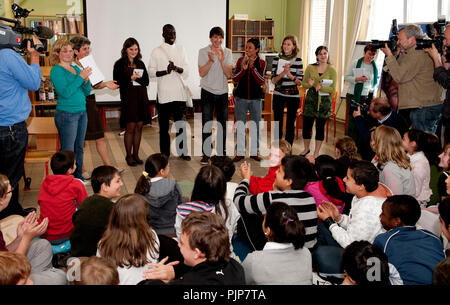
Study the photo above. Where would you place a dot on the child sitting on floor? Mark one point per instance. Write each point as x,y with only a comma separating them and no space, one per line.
278,151
59,197
163,194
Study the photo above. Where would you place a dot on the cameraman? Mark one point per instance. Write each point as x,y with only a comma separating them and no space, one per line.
419,95
381,113
16,78
442,76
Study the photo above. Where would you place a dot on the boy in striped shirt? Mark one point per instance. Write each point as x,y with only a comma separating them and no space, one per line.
291,178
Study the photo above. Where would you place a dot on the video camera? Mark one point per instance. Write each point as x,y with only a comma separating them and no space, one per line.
436,38
392,42
363,106
11,36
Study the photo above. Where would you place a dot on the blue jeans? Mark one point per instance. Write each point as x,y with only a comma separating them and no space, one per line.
426,118
240,110
72,130
219,103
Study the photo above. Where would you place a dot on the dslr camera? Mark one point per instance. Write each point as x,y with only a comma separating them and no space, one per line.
392,42
437,37
11,36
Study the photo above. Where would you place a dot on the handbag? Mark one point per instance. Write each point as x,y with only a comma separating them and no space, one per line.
187,90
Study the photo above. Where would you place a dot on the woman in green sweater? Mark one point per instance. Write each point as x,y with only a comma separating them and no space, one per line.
72,85
320,80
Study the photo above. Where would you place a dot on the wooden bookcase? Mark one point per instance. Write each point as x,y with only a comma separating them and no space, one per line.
242,30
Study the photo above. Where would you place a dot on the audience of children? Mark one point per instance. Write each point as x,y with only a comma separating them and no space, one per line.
208,195
129,241
289,187
284,259
59,196
413,252
278,151
15,269
329,187
346,152
227,166
205,246
163,194
441,274
392,161
444,164
90,220
358,261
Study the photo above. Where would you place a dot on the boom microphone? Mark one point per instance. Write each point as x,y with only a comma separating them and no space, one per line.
44,32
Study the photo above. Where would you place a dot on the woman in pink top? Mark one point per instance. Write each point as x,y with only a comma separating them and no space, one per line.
329,187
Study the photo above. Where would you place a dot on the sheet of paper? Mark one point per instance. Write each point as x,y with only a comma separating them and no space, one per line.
140,72
96,75
281,63
325,83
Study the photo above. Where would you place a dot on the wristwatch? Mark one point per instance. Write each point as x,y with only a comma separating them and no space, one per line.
329,221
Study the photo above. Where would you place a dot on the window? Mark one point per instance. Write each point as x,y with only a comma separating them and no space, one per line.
321,13
405,11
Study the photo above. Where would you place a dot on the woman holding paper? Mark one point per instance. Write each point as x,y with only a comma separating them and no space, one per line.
81,48
132,77
287,74
72,85
320,80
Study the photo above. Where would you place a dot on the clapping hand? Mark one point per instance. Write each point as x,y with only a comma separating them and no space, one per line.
211,56
161,271
170,67
311,82
112,84
85,73
245,63
30,227
328,209
246,171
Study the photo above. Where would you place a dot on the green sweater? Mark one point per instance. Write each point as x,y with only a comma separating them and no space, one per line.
89,224
316,105
70,88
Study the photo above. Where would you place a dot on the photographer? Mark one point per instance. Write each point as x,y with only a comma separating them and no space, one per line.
442,76
381,113
360,86
419,95
16,78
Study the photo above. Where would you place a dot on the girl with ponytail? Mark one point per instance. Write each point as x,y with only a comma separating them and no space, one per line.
162,194
284,260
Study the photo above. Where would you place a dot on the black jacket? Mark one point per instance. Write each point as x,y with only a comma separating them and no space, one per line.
123,76
442,76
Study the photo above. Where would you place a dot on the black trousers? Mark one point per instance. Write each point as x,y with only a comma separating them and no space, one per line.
165,112
308,123
291,103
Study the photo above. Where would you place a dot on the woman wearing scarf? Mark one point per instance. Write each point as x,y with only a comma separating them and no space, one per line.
360,85
287,74
320,81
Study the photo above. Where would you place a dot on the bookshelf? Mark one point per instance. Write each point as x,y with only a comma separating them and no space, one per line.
242,30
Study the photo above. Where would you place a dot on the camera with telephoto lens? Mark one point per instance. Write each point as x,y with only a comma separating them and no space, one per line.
436,38
11,36
363,106
392,42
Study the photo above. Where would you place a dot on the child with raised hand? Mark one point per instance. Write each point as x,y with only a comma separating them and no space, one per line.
413,252
415,142
163,194
278,151
129,241
284,259
329,187
357,260
59,197
205,247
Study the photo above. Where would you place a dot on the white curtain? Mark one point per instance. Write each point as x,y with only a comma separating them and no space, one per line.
303,40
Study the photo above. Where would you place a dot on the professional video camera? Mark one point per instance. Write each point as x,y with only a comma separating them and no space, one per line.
363,106
392,42
11,36
436,38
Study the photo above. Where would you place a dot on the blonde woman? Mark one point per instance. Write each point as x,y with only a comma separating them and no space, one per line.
392,161
72,85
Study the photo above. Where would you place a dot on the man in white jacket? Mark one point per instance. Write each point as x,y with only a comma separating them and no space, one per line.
168,63
363,222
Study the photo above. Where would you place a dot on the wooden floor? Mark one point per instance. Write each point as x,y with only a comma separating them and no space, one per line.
182,171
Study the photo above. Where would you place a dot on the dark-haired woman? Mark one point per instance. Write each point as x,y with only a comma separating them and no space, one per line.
249,76
132,77
162,194
208,195
284,259
320,80
287,74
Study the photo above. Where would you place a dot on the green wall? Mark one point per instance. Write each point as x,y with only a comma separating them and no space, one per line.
52,7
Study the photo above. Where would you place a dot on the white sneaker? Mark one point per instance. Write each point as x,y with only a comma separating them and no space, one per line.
86,175
317,280
121,133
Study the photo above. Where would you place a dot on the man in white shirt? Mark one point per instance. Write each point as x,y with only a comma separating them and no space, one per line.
215,68
363,223
168,63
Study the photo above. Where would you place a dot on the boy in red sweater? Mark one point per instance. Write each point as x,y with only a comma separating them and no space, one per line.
59,196
278,151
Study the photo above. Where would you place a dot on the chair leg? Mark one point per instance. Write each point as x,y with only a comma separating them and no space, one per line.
335,128
46,168
326,139
297,127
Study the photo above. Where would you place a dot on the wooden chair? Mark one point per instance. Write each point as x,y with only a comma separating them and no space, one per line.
333,114
302,94
43,142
